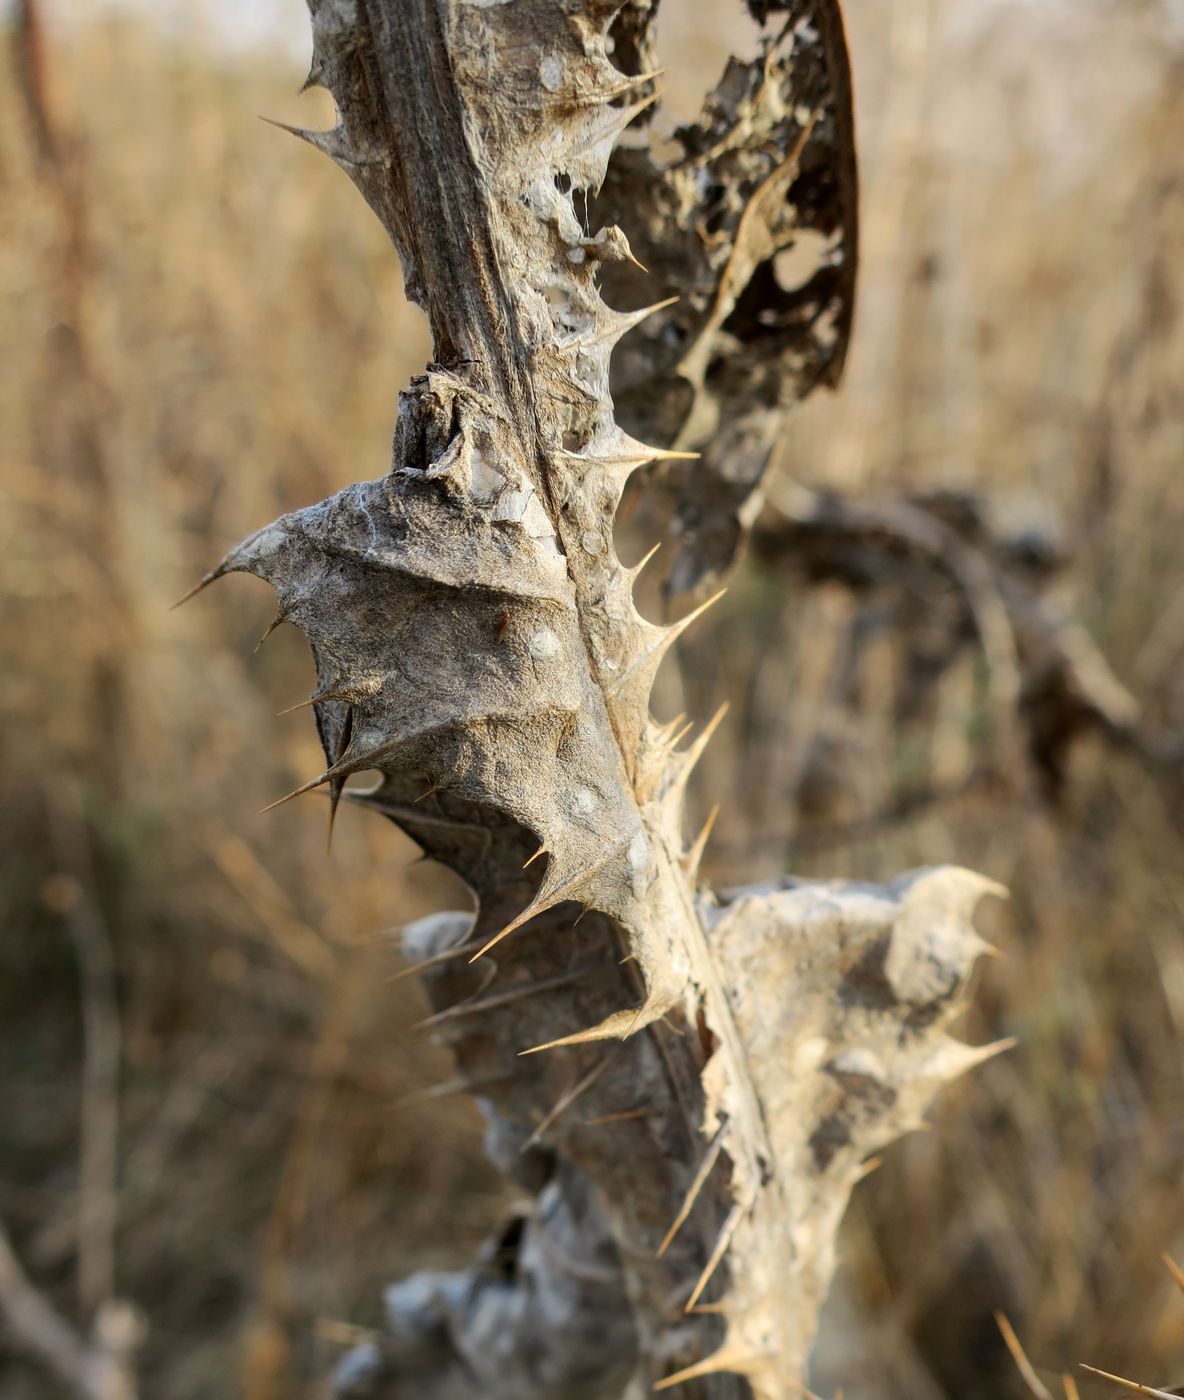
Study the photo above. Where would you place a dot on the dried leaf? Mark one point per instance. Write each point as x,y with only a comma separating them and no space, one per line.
478,648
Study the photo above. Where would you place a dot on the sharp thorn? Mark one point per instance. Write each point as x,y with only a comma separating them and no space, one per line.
302,132
202,584
319,698
542,851
567,1099
681,733
462,1084
692,755
726,1359
324,778
336,788
735,1215
617,326
643,313
980,1054
312,138
695,854
436,960
669,636
628,1116
668,454
609,130
275,622
709,1160
634,455
677,723
693,616
600,96
637,79
1128,1385
552,894
333,143
512,927
644,560
619,1026
627,320
506,998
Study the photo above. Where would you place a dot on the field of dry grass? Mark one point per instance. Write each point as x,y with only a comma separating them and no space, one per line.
203,327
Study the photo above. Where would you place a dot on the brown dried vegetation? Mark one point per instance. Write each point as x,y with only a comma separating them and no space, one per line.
209,354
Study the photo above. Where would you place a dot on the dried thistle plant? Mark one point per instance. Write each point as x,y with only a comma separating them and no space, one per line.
688,1085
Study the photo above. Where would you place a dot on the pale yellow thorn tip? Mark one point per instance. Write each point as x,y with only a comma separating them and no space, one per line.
691,1373
578,1038
1174,1269
681,733
679,627
696,1186
668,454
693,754
619,1026
1129,1385
676,724
730,1226
645,559
493,942
693,857
726,1359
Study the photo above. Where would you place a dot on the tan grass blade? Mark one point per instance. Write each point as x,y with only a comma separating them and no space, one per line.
1023,1365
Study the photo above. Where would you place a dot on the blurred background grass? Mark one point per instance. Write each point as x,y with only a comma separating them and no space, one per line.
204,327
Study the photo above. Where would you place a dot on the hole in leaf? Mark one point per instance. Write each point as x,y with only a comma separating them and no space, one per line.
691,38
794,266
